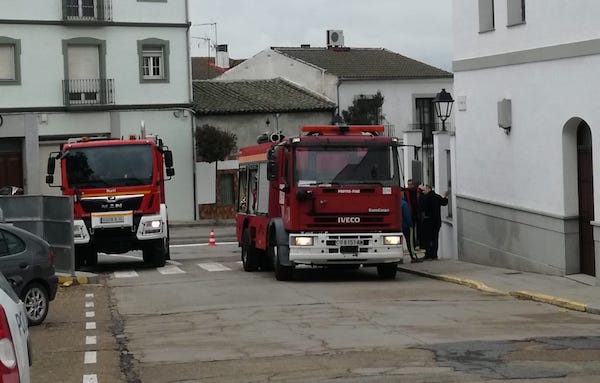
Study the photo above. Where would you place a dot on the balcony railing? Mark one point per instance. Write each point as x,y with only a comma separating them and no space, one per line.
88,92
428,130
87,10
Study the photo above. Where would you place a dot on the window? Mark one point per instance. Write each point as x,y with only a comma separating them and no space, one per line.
10,244
10,53
154,60
516,12
81,9
486,15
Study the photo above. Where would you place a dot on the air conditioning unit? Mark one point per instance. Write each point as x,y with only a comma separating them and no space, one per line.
335,38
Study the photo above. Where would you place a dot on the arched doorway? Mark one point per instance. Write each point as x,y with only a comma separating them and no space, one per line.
585,192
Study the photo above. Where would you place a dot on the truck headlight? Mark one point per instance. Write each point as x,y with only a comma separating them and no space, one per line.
151,227
392,240
303,241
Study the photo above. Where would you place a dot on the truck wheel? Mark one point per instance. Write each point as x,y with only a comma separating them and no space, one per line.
91,257
387,270
249,257
282,273
155,254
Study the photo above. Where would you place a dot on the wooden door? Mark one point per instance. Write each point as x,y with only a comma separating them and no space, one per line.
586,199
11,169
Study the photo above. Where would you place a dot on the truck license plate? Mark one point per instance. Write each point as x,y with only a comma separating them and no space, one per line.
349,242
113,219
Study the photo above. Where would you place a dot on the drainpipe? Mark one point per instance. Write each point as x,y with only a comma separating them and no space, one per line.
191,100
339,112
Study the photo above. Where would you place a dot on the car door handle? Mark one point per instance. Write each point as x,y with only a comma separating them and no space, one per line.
23,265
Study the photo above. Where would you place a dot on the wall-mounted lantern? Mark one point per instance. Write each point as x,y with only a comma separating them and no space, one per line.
505,115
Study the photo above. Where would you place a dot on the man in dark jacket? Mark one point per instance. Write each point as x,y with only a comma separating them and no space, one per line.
411,195
430,205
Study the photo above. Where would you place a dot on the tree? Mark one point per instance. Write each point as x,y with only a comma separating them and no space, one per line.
213,144
365,110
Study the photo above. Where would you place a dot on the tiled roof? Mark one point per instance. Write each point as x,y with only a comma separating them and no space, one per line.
204,68
255,96
365,63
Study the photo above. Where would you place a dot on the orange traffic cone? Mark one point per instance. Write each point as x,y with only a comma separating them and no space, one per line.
211,238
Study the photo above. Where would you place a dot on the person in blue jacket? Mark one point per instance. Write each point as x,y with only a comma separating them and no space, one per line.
407,230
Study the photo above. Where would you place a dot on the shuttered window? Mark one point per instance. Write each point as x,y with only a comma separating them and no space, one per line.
516,12
486,15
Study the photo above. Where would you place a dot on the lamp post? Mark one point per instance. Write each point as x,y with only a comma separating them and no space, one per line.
443,106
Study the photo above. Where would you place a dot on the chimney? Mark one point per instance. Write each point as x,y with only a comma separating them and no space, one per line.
222,60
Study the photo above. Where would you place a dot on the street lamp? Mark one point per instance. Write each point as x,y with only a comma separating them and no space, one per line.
443,106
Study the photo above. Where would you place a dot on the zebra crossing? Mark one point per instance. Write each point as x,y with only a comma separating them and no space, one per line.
175,268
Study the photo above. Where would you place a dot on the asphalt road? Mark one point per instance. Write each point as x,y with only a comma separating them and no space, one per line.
203,319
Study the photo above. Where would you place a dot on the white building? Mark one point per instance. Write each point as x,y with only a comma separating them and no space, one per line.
343,74
72,68
527,110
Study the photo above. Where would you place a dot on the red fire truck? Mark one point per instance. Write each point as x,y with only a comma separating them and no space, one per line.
118,194
329,197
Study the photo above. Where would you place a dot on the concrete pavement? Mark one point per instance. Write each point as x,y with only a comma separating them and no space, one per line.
580,295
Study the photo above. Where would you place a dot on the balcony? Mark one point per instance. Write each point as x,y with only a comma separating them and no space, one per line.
428,129
87,11
88,92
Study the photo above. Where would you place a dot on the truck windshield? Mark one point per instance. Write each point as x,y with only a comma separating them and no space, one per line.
346,166
109,166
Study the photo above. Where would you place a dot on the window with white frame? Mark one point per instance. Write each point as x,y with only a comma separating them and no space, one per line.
154,60
81,9
516,12
152,65
9,61
486,15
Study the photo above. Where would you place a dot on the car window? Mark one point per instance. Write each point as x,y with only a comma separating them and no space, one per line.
10,243
7,288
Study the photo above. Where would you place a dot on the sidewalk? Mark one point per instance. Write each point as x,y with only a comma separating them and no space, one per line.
559,291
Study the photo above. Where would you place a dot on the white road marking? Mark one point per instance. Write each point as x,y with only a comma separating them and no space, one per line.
213,267
91,339
170,270
125,274
174,263
89,295
90,357
90,378
89,305
90,314
90,325
203,244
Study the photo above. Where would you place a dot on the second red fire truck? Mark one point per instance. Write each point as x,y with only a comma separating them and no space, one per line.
329,197
118,190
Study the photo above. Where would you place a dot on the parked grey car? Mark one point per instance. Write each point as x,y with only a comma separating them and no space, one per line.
28,262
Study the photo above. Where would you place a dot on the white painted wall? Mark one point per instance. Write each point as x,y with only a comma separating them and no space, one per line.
399,97
524,169
41,47
269,64
123,11
548,22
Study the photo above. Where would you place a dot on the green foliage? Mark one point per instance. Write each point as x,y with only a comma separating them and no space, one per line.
213,144
365,110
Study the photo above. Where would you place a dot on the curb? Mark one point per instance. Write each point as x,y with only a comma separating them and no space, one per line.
71,280
523,295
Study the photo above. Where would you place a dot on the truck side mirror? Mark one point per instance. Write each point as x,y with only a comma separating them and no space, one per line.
50,170
168,159
170,172
272,170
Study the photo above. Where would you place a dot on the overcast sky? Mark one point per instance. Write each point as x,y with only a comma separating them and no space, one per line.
419,29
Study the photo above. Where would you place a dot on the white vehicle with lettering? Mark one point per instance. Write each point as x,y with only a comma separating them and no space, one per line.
15,354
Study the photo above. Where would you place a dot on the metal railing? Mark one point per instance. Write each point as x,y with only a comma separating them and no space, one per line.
87,10
88,92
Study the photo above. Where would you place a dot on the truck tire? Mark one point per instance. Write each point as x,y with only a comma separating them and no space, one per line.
91,257
387,270
249,256
155,253
282,273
